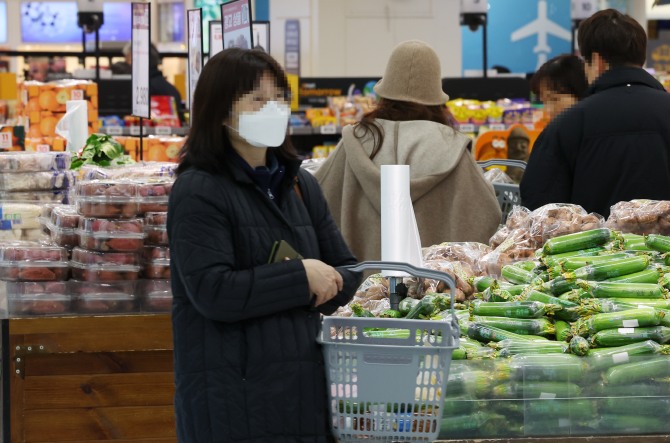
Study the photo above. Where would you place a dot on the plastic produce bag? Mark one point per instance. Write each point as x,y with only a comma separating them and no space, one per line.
496,175
469,252
640,217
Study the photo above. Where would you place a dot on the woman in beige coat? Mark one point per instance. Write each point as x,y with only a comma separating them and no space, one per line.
411,126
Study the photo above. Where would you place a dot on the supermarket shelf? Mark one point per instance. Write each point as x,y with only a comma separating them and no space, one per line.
321,130
135,131
470,127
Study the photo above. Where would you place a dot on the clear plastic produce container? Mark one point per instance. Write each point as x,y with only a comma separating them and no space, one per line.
34,161
90,265
111,235
154,195
156,295
33,262
38,298
156,262
103,297
107,198
36,181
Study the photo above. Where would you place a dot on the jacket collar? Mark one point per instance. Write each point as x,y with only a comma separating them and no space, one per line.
291,167
624,75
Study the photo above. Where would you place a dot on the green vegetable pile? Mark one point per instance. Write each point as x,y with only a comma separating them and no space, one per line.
101,150
575,342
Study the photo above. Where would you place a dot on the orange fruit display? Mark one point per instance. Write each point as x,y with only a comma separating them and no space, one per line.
48,100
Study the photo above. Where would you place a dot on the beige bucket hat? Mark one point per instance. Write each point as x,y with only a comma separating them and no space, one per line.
413,75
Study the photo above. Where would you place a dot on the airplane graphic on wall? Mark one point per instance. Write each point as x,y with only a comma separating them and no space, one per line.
542,27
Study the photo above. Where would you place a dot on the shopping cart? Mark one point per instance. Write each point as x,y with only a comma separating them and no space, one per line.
508,194
384,389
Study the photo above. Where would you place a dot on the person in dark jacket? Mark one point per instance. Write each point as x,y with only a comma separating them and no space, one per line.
615,144
247,364
560,83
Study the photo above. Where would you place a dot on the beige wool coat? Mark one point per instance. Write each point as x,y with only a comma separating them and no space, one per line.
452,200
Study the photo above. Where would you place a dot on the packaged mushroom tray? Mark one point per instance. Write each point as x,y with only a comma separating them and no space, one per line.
62,226
111,235
156,295
28,261
38,298
155,228
34,161
156,262
91,297
95,266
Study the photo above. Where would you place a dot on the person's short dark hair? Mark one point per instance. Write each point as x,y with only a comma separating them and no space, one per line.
226,77
618,38
563,74
154,56
501,69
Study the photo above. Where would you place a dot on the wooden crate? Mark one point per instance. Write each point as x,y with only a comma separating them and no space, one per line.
86,379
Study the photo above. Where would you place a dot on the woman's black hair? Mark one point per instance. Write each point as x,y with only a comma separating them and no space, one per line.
563,74
225,78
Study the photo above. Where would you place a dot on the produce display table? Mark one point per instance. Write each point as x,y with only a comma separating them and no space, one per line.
88,378
627,439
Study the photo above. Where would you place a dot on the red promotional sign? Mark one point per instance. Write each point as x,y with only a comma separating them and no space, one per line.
236,19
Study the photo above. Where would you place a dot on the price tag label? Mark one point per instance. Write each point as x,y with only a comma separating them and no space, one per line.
5,140
42,148
328,129
77,94
114,130
497,127
163,130
530,126
582,9
135,130
468,127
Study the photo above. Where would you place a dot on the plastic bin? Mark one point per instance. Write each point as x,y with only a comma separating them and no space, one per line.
388,389
508,195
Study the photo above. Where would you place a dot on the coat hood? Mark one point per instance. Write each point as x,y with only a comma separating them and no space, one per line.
432,151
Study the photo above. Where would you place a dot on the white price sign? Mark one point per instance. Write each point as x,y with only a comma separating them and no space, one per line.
467,127
141,36
163,130
194,22
43,148
215,38
5,140
114,130
135,130
474,6
497,127
582,9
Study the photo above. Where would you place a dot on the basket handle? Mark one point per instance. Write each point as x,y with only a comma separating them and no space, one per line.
410,269
503,162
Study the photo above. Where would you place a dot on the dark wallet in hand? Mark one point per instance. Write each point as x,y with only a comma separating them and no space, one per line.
281,251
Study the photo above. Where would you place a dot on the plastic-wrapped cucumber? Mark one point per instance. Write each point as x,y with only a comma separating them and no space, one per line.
555,259
469,343
563,332
579,346
646,276
614,268
626,336
638,371
475,383
485,334
456,405
559,285
619,355
624,290
508,348
459,353
577,241
632,318
406,304
547,367
391,313
537,390
568,313
358,311
657,242
482,283
640,302
481,353
633,424
517,275
527,265
573,263
515,290
500,295
640,405
575,296
469,425
571,407
427,306
520,309
522,326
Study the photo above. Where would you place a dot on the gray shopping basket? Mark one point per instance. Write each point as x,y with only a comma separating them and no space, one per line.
384,389
508,194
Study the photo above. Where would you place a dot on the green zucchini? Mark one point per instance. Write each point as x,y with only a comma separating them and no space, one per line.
614,268
358,311
519,309
572,407
508,348
608,357
624,290
645,276
430,304
573,263
559,285
522,326
391,313
482,283
563,333
657,242
577,241
406,305
547,367
633,318
485,334
555,259
626,336
656,367
537,390
517,275
579,346
469,425
643,406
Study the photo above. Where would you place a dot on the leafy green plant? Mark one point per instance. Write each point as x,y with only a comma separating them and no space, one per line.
101,150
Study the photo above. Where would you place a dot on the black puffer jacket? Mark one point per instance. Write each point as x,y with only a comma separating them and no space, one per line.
612,146
247,365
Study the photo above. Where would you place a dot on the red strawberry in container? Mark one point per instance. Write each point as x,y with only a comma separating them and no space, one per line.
111,235
104,266
103,297
33,262
154,195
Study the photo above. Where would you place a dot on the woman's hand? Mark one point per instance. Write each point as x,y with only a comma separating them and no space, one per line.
324,281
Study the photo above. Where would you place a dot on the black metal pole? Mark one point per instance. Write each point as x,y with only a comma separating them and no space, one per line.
141,138
485,47
6,368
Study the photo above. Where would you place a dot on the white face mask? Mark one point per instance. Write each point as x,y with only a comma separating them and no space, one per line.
267,127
